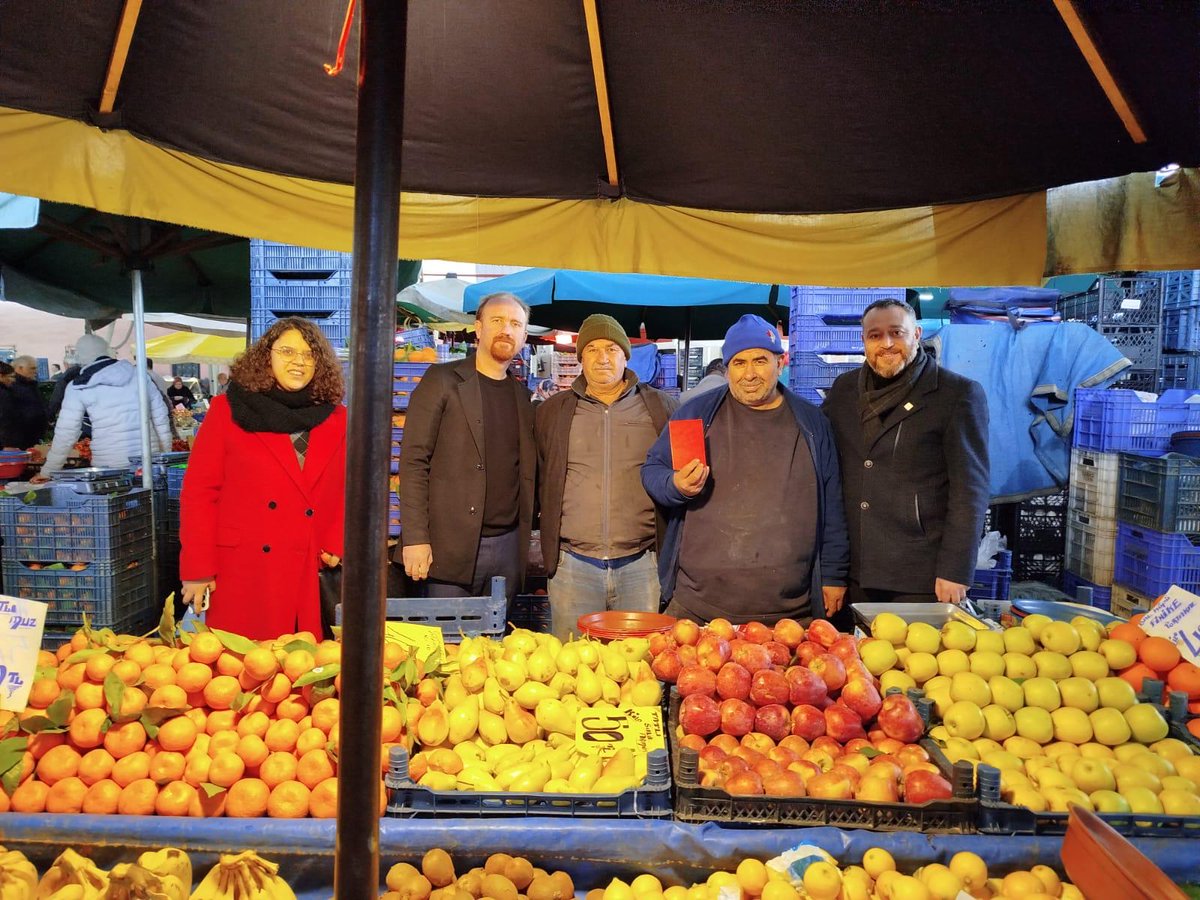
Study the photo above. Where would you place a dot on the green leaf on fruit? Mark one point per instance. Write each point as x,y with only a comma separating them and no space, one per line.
321,673
235,643
84,655
114,693
870,752
42,672
240,701
38,724
290,646
166,622
60,709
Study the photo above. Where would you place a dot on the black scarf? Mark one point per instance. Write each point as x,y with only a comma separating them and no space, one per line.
877,397
277,411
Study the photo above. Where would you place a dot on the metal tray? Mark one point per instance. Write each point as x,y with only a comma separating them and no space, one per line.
936,614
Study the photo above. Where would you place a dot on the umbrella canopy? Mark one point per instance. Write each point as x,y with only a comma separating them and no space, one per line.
668,307
187,347
850,143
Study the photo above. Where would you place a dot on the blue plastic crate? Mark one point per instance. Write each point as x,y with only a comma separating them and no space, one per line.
455,616
990,584
1181,328
108,594
60,525
816,370
1113,420
298,279
838,306
1149,561
175,480
667,376
810,334
1101,593
393,514
1181,288
405,378
335,325
1180,371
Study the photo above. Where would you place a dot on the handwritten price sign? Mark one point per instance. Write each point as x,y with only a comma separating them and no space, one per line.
1177,618
604,732
21,623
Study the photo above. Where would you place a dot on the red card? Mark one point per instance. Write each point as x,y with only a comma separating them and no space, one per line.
687,442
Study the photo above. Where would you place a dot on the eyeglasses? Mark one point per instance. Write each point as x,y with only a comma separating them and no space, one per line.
307,357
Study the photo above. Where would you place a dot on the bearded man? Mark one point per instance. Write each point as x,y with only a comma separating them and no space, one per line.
912,442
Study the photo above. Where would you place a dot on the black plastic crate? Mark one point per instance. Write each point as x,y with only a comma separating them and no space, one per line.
694,803
1044,567
1160,492
531,611
1117,301
407,799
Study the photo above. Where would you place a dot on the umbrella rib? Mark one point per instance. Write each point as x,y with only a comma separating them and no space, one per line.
120,51
1100,70
596,50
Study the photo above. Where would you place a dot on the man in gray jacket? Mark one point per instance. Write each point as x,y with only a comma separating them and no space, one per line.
600,530
912,438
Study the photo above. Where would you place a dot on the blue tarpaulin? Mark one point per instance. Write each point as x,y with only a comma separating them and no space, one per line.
592,851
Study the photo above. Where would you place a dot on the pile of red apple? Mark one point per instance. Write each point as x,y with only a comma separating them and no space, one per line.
785,712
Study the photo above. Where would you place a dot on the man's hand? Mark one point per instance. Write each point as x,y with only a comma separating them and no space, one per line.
949,591
195,594
834,597
690,480
417,560
39,479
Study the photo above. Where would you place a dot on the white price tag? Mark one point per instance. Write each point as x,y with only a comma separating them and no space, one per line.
1176,617
21,624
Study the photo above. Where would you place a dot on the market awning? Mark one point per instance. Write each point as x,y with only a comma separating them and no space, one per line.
186,347
831,143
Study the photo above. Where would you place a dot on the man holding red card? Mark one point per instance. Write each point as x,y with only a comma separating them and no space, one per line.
755,526
600,532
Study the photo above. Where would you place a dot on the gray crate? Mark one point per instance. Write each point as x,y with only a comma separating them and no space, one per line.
1122,301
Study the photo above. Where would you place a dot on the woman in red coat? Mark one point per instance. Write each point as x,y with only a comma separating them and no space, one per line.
262,506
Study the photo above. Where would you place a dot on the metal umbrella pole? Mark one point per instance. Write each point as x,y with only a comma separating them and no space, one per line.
376,232
143,389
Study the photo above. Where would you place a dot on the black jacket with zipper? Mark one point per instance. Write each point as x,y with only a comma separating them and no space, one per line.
916,498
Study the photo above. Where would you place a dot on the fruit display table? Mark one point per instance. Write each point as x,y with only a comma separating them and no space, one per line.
590,850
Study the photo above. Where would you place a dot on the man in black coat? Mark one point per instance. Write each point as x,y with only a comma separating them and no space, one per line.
26,419
912,439
467,464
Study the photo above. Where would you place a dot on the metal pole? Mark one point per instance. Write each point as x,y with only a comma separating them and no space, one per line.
368,441
686,368
139,329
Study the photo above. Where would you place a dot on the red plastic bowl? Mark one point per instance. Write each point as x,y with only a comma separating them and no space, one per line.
12,464
611,625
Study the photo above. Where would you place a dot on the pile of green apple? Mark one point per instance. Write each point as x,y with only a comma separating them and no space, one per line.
1040,703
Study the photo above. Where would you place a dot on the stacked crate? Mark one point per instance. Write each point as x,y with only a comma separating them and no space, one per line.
695,367
825,335
1180,367
405,377
667,378
564,369
300,281
168,470
1034,529
1091,523
1157,498
1128,310
83,554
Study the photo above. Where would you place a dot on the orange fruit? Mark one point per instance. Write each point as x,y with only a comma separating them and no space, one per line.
96,667
1128,632
70,677
137,798
229,664
89,695
47,658
127,670
288,800
79,641
282,735
325,714
43,692
252,750
197,769
133,701
226,768
193,676
205,647
1136,673
158,675
221,720
58,763
1185,677
297,663
85,729
314,767
306,636
258,704
328,652
260,663
393,725
5,803
278,768
1159,654
311,739
305,724
253,723
248,682
247,799
40,743
177,734
66,796
200,747
96,765
101,798
1136,619
222,741
28,766
163,654
278,688
180,658
168,696
199,716
292,707
29,797
126,738
140,653
131,768
167,766
1193,727
177,799
322,802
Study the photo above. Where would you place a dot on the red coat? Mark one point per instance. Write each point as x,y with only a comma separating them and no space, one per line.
251,518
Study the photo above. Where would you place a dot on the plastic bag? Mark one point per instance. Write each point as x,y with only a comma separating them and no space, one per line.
72,869
243,876
993,542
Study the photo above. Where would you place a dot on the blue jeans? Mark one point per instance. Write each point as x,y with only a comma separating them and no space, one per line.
579,587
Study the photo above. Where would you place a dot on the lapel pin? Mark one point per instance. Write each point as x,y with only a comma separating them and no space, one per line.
907,407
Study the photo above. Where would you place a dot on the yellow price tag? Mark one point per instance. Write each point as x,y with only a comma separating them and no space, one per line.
421,640
604,732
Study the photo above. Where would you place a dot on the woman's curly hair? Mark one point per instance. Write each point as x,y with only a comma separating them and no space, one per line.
252,370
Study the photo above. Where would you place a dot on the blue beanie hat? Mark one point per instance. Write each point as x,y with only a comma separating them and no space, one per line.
750,333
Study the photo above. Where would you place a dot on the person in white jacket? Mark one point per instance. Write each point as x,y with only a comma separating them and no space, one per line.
105,391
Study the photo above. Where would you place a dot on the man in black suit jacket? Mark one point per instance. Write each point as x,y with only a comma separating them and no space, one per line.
912,439
467,464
